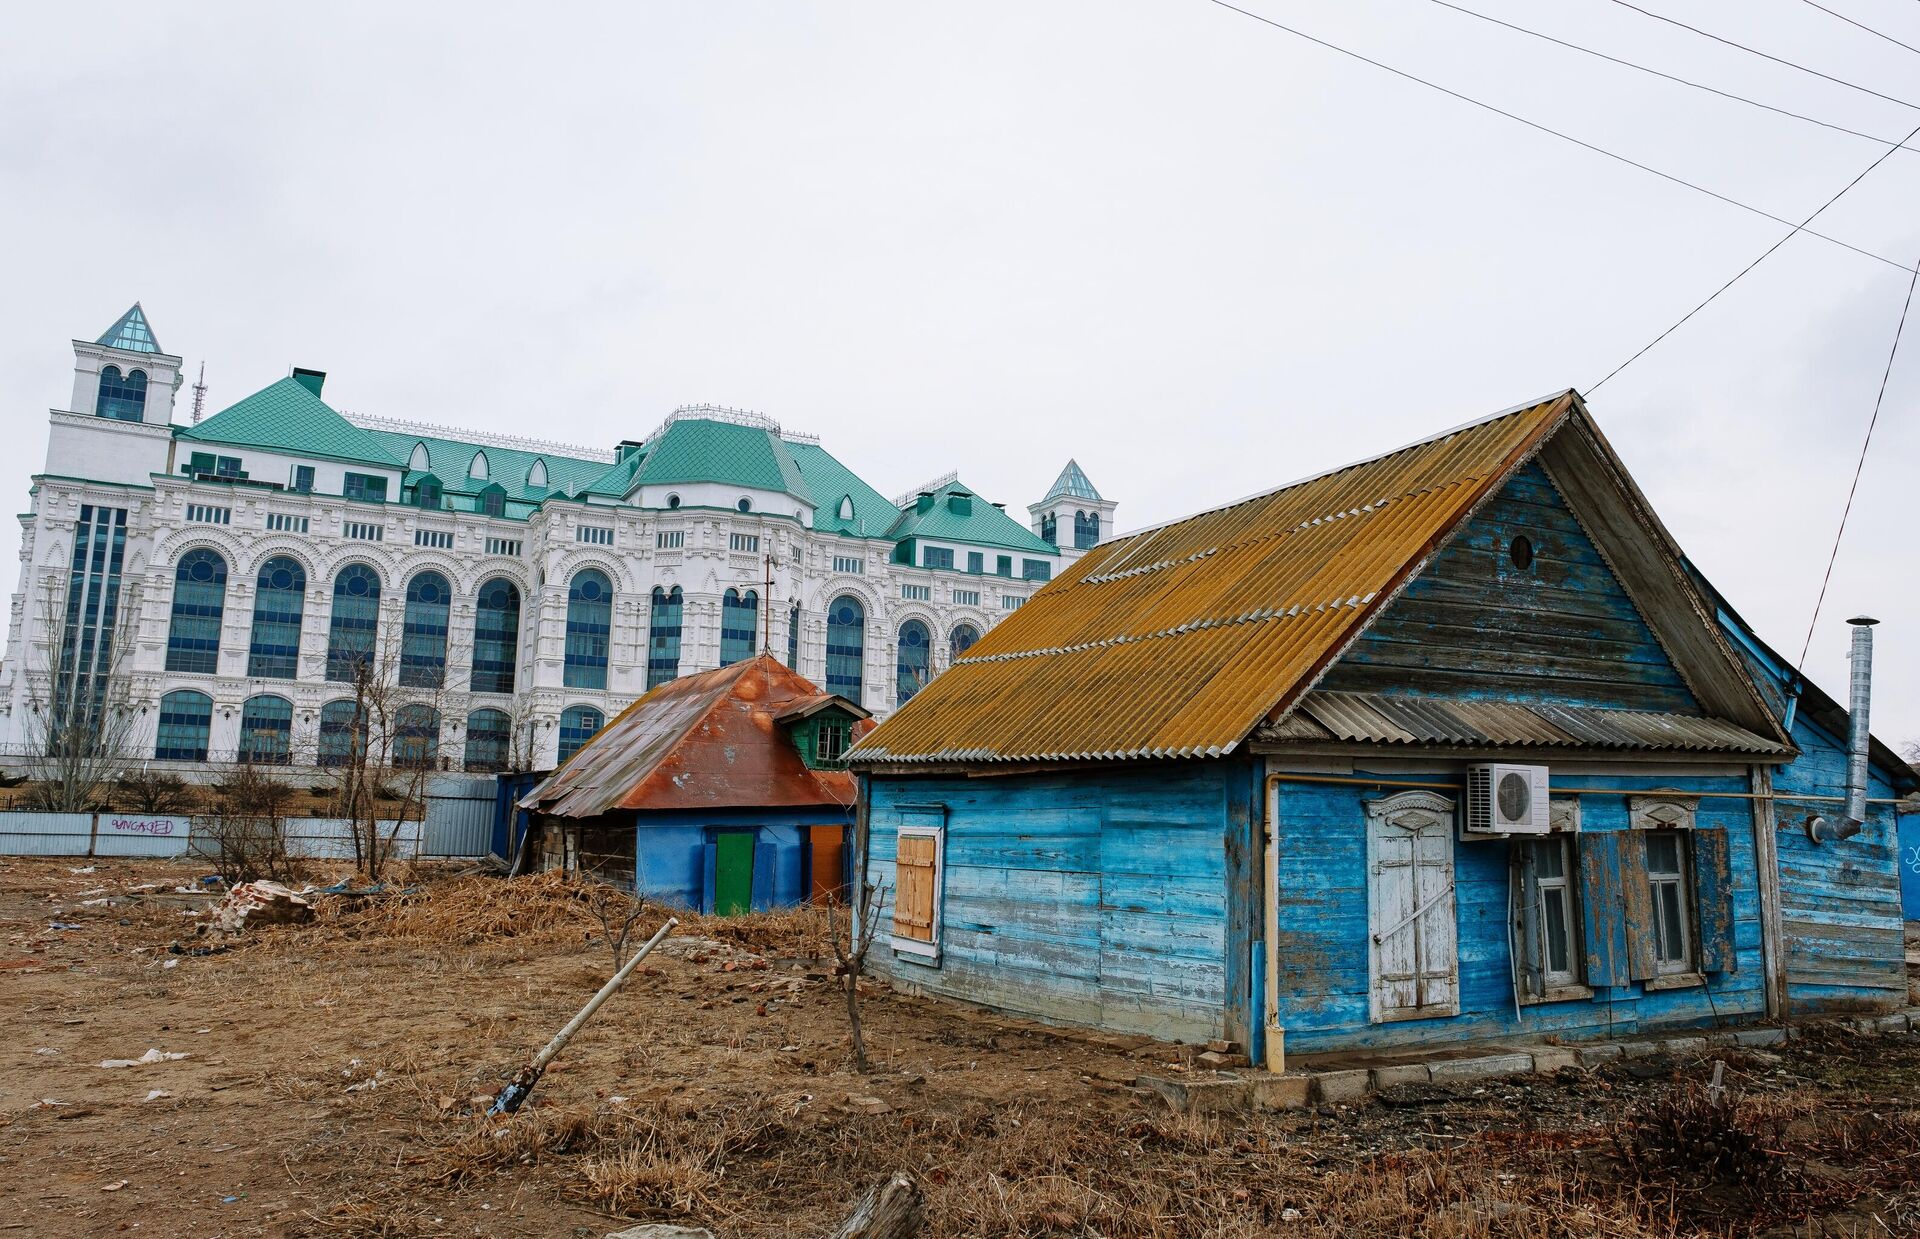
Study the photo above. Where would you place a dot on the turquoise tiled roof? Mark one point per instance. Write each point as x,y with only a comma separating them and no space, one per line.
1072,482
449,459
286,417
984,525
698,450
131,332
828,481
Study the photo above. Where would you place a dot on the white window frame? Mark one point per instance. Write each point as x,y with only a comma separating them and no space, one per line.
929,951
1570,983
1680,881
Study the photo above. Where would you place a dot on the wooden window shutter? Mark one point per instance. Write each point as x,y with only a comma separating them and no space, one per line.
1713,897
914,886
1643,944
1604,904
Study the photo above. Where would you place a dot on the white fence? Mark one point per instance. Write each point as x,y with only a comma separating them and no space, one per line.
117,834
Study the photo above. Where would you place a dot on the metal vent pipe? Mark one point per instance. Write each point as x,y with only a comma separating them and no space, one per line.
1859,700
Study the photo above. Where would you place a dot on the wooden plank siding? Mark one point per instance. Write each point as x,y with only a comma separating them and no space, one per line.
1840,902
1323,924
1103,900
1474,625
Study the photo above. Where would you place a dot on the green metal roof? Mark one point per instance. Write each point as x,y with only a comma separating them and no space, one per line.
131,332
286,417
449,460
829,481
1072,482
985,525
698,450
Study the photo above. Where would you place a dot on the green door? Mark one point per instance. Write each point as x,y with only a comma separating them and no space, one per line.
733,873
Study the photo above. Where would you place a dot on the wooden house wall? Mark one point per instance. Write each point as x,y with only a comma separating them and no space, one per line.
669,856
1324,935
1474,625
1119,898
1840,902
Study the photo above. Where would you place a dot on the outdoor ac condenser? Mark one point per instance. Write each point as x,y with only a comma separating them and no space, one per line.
1506,800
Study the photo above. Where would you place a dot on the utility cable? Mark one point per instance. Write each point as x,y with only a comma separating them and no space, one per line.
1862,25
1712,90
1860,465
1754,51
1566,137
1756,262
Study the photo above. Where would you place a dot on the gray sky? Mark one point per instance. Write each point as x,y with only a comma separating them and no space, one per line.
1198,254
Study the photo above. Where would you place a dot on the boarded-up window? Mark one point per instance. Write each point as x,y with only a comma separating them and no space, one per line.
918,861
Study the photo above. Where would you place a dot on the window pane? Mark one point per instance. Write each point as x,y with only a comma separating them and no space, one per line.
1554,916
356,617
199,600
423,632
1667,895
846,647
915,662
279,601
663,636
739,624
496,637
1663,853
1548,859
589,629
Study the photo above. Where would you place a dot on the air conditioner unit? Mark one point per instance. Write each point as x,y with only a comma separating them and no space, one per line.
1506,800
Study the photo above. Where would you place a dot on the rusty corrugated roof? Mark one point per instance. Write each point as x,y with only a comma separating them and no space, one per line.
1377,718
705,741
1176,641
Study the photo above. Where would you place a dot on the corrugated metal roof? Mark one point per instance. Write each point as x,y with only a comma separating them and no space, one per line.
1176,641
703,741
1380,719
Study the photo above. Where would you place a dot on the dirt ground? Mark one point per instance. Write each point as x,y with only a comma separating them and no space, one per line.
334,1077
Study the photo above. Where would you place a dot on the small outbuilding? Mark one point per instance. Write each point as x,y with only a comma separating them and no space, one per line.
1449,745
721,792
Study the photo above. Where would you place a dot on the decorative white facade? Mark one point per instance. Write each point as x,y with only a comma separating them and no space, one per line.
712,507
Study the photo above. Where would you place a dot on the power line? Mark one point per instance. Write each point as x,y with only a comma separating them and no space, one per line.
1712,90
1754,51
1857,468
1862,25
1566,137
1802,227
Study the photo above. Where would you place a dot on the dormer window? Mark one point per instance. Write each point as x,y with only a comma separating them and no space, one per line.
123,397
673,501
846,507
745,504
537,475
421,460
426,494
478,469
493,501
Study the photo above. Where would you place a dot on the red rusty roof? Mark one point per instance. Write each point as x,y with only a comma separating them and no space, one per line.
712,740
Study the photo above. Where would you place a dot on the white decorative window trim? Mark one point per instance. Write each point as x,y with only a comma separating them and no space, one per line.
1661,812
1563,816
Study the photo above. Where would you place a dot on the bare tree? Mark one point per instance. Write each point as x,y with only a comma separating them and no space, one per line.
382,757
247,825
863,924
83,722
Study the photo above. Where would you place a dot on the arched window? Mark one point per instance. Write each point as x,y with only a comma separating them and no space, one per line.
663,636
589,629
673,501
279,602
846,646
739,625
913,666
537,475
416,737
577,725
1050,529
342,733
423,633
185,718
199,600
122,397
846,507
793,636
745,504
421,460
496,637
1086,530
489,738
266,730
477,470
493,501
356,619
960,640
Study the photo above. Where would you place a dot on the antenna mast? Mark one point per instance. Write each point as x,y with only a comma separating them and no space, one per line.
200,394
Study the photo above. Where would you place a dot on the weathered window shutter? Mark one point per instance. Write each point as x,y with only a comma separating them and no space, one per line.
1643,945
1605,907
1713,896
914,886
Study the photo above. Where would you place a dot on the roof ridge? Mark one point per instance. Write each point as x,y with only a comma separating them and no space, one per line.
480,438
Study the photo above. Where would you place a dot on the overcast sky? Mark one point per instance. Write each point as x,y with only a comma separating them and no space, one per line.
1200,255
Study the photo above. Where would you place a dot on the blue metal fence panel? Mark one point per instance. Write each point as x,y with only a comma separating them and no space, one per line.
137,834
45,834
1910,866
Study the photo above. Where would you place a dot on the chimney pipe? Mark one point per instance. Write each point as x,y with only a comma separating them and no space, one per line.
1859,699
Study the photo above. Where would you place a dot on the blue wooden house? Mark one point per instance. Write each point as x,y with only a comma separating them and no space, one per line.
722,791
1446,745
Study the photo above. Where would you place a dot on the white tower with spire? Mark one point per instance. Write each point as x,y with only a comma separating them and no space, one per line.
117,426
1073,516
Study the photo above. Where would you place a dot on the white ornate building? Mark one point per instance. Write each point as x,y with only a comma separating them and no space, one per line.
526,588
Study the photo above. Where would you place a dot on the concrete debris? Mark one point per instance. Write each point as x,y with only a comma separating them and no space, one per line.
260,903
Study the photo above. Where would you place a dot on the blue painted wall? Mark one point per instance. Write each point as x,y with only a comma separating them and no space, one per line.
1474,624
670,854
1116,898
1910,866
1324,935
